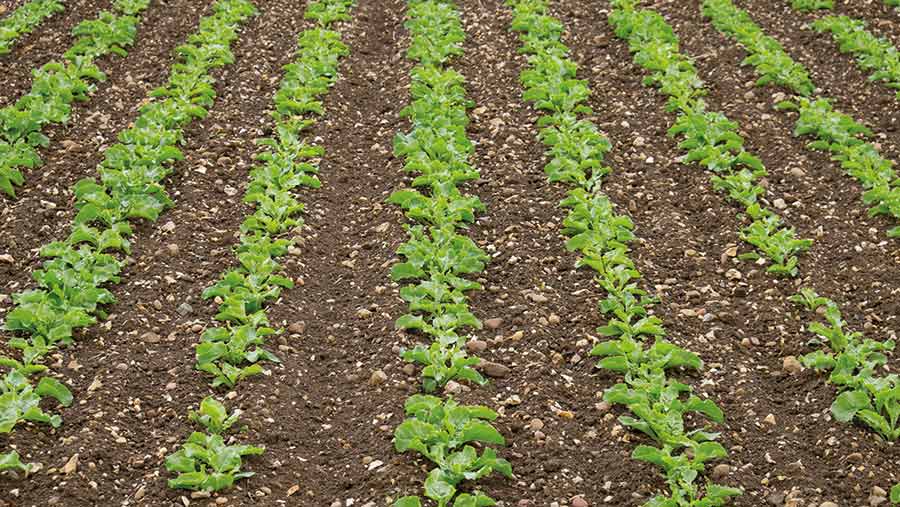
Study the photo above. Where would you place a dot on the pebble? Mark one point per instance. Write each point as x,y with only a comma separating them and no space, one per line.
297,327
733,274
378,377
168,226
855,457
770,419
828,504
798,173
71,466
579,502
791,365
7,258
537,298
779,203
185,309
721,471
476,346
150,337
495,370
493,323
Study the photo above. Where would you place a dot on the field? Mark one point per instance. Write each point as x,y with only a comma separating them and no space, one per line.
524,253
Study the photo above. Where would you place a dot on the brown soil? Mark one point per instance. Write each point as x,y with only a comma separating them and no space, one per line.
324,424
47,42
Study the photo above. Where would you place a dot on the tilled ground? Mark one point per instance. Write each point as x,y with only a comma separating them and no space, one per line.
327,413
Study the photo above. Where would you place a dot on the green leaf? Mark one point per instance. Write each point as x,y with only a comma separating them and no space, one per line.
848,403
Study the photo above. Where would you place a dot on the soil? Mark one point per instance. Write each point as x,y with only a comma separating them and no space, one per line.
326,424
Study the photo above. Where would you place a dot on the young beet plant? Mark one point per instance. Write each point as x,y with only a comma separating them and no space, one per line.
206,462
441,431
833,131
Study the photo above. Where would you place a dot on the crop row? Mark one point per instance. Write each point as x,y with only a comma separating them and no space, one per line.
436,258
71,285
866,396
708,137
25,19
232,352
834,132
57,85
874,54
636,348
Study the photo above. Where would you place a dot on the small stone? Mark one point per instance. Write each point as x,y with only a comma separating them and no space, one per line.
770,419
293,489
7,258
71,466
297,327
495,370
518,335
363,313
453,387
798,173
779,203
222,500
185,309
791,365
553,318
579,502
720,471
493,323
140,493
536,424
409,369
733,274
855,457
172,248
378,377
828,504
476,346
168,226
537,298
150,337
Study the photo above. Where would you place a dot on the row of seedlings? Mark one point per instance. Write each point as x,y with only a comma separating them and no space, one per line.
57,85
708,137
636,348
72,282
833,131
866,395
872,53
25,19
436,259
233,351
